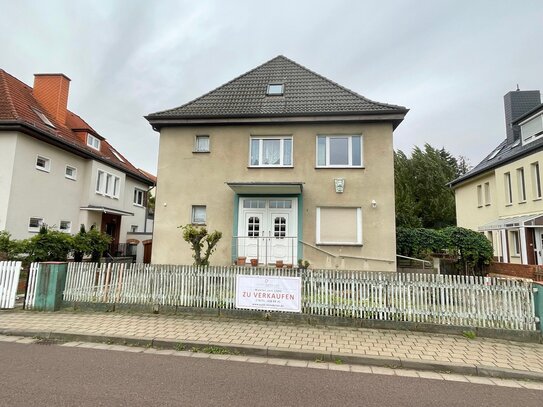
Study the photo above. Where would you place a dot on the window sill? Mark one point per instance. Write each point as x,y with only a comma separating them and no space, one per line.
270,166
537,199
70,178
515,256
200,152
479,206
198,224
139,206
339,244
508,204
43,169
488,204
344,167
522,202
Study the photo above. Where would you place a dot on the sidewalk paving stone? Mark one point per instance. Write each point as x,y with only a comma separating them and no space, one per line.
415,346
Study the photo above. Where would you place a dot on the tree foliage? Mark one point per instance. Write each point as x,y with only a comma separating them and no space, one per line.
196,237
472,249
423,198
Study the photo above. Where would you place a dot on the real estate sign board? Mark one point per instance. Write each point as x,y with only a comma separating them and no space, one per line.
269,293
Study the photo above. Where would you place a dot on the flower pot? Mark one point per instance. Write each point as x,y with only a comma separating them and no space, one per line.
289,265
279,264
241,260
254,262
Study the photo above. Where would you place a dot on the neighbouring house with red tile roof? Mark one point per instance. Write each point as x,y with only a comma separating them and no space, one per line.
55,169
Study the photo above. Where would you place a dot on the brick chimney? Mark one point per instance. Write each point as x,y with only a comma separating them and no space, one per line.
517,103
51,90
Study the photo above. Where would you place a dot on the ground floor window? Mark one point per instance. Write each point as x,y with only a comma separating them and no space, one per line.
514,243
338,225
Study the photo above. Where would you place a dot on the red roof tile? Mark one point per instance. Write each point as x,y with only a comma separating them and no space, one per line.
18,106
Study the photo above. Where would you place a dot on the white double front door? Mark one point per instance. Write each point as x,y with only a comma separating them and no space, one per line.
267,229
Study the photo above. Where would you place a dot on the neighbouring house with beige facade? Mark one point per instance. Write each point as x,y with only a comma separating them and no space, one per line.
287,165
55,169
502,195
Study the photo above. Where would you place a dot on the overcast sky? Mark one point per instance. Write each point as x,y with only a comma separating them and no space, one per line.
450,62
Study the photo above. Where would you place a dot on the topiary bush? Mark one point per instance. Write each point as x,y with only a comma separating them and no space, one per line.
196,237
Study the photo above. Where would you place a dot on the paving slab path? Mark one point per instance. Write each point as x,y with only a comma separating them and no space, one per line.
358,342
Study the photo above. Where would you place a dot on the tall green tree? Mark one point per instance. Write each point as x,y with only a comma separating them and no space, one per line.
423,198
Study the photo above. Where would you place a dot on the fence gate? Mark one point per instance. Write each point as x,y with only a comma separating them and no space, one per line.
9,279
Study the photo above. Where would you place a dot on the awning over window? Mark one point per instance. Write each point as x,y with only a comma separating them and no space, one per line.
514,222
104,209
266,188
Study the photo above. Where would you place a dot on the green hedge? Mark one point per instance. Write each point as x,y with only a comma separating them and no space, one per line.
472,249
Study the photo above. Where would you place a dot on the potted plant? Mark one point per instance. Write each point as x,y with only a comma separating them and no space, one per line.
288,265
254,262
303,264
279,264
241,260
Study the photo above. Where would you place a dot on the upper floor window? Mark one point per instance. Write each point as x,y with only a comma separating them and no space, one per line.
93,142
487,193
275,89
521,185
532,129
479,196
43,163
339,151
139,197
70,172
271,152
65,226
201,144
108,184
536,181
508,189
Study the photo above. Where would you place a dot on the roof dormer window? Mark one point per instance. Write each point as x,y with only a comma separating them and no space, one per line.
275,89
43,118
93,142
117,155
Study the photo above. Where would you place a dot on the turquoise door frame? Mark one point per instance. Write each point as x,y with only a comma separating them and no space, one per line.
236,218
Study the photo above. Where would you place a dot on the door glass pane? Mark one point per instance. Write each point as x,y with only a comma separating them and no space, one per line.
253,227
254,203
255,151
321,150
271,152
279,227
357,151
339,151
287,152
282,203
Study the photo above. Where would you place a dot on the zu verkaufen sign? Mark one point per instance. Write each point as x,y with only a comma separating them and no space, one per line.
269,293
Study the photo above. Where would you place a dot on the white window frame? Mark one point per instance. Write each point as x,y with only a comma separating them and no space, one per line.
35,229
93,141
508,189
108,184
358,228
67,230
479,196
47,167
74,170
271,86
134,228
281,151
349,152
198,137
193,211
486,193
515,242
137,194
536,181
521,180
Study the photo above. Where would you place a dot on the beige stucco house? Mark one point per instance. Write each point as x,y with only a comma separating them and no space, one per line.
502,195
287,165
55,169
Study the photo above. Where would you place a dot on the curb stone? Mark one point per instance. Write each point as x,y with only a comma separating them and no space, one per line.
285,353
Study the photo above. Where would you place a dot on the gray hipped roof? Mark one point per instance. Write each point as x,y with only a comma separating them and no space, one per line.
306,93
504,153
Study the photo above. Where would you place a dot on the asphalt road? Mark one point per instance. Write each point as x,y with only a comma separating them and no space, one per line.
50,375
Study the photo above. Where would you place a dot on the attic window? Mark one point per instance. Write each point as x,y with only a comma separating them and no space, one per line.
43,118
93,142
495,153
275,89
116,154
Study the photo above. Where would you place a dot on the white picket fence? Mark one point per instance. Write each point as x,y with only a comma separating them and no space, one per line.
32,281
9,279
450,300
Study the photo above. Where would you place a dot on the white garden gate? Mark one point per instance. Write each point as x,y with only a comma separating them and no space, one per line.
9,279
